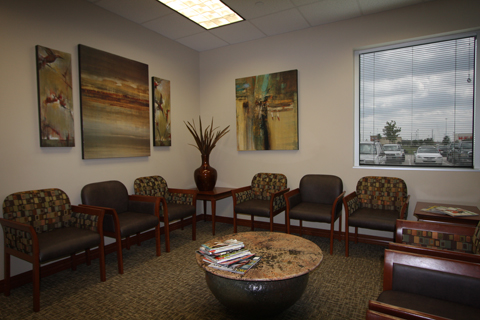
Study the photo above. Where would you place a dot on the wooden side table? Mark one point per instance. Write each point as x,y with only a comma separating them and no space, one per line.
430,216
217,193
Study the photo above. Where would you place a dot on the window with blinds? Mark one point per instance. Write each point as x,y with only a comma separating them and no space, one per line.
416,104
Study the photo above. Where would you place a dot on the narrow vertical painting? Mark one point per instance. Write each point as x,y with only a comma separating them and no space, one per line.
114,98
55,103
161,112
267,111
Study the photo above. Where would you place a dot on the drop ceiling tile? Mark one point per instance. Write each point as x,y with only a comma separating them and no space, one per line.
250,9
277,23
202,41
138,11
374,6
173,26
238,32
330,11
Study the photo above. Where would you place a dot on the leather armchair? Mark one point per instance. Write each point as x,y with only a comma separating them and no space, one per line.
264,198
318,198
376,204
40,226
175,203
125,215
451,241
433,285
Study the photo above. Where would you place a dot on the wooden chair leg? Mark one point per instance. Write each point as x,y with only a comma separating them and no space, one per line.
346,237
166,227
356,234
101,249
340,228
119,255
157,240
234,221
301,227
287,222
251,223
271,223
6,274
332,225
36,285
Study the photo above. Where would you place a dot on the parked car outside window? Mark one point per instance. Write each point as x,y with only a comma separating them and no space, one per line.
372,153
428,155
461,153
394,152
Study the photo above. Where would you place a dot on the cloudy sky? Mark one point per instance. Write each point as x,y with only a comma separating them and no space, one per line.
426,89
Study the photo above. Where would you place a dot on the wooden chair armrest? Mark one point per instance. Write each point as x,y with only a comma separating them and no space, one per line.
338,202
404,212
83,223
17,225
402,313
456,229
346,201
292,198
18,248
448,254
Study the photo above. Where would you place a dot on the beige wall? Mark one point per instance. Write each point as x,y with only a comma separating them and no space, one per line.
324,59
204,83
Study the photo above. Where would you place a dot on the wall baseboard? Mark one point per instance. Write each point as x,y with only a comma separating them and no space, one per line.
64,264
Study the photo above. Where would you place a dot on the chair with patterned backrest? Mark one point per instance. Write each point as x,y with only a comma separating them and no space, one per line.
376,204
125,215
452,241
318,198
176,204
41,226
264,198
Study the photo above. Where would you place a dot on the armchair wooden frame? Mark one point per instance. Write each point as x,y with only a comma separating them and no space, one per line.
116,233
380,310
34,259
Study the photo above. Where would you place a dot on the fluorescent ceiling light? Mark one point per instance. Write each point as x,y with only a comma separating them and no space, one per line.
207,13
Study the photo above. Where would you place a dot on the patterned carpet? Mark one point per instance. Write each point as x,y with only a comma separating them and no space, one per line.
173,286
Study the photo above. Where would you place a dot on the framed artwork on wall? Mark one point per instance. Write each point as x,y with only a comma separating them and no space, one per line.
114,99
267,111
55,102
161,112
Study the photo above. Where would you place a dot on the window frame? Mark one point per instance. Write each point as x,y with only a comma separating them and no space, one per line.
413,42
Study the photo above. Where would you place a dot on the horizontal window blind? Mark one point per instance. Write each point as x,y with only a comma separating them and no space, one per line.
418,96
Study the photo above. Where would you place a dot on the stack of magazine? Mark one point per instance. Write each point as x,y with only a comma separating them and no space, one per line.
454,212
229,255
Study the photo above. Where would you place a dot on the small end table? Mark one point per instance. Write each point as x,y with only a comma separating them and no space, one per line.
217,193
438,217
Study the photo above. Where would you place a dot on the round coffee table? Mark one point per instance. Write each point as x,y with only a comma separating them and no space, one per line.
275,283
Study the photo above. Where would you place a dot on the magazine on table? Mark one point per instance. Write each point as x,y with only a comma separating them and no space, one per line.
222,247
451,211
240,267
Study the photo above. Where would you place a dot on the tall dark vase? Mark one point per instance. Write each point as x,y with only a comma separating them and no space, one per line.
205,176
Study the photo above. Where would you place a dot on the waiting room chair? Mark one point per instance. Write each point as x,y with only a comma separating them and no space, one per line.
175,203
264,198
376,204
125,215
40,226
433,285
451,241
318,198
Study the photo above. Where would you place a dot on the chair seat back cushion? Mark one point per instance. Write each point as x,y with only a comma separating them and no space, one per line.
376,219
179,211
437,240
63,242
45,209
154,186
133,223
385,193
312,212
318,188
109,194
254,207
264,185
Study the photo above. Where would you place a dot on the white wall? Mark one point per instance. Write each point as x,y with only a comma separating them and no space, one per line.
62,25
324,58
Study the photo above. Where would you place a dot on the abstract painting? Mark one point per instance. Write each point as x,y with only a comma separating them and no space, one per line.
267,111
114,96
161,112
55,103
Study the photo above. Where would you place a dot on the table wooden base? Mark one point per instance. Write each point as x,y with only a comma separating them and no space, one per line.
217,193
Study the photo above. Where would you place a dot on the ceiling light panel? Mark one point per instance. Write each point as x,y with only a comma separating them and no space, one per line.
207,13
